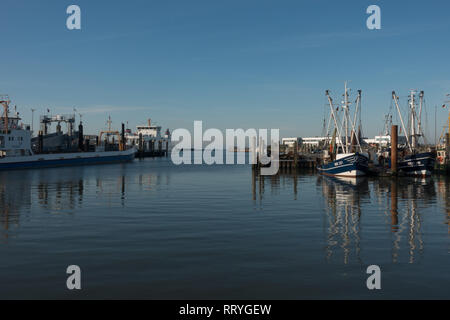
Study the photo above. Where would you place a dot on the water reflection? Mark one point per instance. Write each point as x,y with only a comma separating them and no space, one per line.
14,194
343,198
391,211
406,221
405,201
63,191
351,201
444,195
282,182
60,195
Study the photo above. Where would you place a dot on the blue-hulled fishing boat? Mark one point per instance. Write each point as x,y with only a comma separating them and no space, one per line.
348,165
415,162
345,157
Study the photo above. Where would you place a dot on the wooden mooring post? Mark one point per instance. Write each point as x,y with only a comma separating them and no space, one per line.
394,143
295,155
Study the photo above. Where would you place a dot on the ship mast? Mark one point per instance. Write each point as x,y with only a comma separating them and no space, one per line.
448,95
347,124
5,103
448,118
387,124
109,122
395,98
413,116
357,111
333,115
346,117
419,120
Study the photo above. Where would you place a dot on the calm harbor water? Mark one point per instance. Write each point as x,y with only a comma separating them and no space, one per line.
150,229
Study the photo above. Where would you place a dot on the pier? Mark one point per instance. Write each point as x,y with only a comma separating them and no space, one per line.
292,161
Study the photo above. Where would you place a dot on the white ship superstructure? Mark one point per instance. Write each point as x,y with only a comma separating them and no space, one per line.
16,151
148,139
15,138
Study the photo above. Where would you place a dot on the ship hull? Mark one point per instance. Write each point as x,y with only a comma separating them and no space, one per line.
66,159
421,164
353,165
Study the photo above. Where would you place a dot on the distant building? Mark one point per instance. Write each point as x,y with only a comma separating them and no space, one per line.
316,141
384,141
289,142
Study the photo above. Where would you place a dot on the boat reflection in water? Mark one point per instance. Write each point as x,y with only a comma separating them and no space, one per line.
343,197
131,226
66,191
406,201
14,194
414,195
444,194
277,183
369,213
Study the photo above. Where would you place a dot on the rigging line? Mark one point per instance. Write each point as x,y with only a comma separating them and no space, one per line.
426,123
408,126
329,124
391,111
323,126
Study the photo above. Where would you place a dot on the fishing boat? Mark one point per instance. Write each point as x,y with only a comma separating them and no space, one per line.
420,164
347,165
417,161
16,149
345,156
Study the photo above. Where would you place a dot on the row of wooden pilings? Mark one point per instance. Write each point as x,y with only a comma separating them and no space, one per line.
149,150
290,163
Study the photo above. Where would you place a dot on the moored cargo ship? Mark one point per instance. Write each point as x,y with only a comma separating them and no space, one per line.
16,151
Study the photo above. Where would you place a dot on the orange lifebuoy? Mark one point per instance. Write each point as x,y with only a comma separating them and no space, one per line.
440,159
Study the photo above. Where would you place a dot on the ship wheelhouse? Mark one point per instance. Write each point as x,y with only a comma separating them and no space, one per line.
148,138
15,138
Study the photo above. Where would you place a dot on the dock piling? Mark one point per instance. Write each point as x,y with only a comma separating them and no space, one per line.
394,143
295,155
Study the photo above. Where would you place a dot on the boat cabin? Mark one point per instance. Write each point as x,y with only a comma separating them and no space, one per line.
15,138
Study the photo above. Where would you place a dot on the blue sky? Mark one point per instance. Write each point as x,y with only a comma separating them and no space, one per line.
232,64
